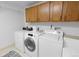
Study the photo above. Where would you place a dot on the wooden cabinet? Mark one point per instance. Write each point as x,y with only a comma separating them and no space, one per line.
31,14
43,12
27,14
71,11
56,11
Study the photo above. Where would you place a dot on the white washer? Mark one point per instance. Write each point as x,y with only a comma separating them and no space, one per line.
51,44
31,44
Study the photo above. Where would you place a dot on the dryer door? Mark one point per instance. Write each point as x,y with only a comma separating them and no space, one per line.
30,44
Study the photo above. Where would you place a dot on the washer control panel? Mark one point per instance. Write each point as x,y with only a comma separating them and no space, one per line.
30,34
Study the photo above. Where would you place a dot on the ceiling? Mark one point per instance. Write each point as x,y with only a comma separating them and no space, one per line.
17,5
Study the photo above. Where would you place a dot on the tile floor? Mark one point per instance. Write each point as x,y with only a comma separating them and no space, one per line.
12,54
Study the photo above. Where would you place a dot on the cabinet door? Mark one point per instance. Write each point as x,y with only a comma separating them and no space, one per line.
31,14
71,11
27,15
56,11
43,12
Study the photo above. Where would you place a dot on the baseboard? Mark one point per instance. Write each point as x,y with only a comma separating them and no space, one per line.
6,49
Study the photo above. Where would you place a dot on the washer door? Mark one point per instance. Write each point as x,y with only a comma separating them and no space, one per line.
30,44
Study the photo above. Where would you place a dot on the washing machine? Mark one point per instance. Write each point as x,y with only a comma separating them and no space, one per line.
31,44
51,44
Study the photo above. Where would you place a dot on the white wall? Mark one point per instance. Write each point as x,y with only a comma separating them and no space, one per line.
10,21
71,28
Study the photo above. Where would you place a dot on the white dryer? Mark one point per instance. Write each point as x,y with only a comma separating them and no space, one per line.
31,44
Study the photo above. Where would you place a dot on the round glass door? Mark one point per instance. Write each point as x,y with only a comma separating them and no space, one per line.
30,44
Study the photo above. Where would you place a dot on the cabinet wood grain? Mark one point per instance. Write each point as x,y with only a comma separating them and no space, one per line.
56,11
31,14
43,12
53,11
71,11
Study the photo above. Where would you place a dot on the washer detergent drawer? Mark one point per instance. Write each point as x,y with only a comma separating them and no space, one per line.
48,48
